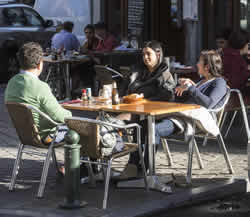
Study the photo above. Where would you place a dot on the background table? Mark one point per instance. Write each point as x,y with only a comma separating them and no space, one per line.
57,74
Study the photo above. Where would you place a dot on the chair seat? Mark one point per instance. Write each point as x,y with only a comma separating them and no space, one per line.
128,148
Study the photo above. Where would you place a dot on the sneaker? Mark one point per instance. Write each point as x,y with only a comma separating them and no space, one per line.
129,172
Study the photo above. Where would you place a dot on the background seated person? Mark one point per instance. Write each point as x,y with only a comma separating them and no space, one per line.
65,39
208,92
107,42
83,74
26,87
222,39
92,41
235,60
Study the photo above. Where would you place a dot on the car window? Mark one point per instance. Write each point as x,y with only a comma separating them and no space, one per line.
14,17
33,18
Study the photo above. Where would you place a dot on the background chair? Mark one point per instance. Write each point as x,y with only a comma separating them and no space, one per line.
88,129
217,114
105,75
236,104
22,119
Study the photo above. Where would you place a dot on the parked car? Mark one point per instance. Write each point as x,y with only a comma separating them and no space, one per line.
20,23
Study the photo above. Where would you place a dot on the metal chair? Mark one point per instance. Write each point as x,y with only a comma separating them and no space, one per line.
88,129
22,119
217,115
235,105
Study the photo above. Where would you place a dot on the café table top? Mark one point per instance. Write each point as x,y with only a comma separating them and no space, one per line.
145,107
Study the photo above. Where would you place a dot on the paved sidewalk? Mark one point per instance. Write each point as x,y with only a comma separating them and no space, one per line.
126,202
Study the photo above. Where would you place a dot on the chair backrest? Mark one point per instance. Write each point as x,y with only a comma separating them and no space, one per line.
89,136
23,121
106,74
218,111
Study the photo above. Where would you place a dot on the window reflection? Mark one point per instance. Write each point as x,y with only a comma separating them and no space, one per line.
244,23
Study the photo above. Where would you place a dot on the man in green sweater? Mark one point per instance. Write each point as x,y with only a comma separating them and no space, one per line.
26,87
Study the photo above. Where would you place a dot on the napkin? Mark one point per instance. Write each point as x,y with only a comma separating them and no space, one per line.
73,101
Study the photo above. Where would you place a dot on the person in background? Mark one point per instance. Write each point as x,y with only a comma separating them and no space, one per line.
26,87
107,42
65,39
208,92
222,39
235,60
92,41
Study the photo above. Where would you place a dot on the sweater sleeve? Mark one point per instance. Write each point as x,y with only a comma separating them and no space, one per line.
51,107
213,94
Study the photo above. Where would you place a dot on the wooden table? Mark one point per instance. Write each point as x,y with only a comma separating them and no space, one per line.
66,61
148,109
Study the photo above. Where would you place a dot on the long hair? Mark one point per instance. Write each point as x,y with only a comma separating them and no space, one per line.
155,46
212,59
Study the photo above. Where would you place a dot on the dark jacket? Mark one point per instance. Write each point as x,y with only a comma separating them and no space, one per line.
209,95
235,68
158,85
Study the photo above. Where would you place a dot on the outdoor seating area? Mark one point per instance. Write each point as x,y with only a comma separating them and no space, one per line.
123,108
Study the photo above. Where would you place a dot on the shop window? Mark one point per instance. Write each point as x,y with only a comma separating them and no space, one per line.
245,14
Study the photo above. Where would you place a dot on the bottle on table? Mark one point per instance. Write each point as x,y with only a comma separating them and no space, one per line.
84,96
89,95
115,95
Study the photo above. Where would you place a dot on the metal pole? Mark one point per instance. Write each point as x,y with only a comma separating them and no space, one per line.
72,172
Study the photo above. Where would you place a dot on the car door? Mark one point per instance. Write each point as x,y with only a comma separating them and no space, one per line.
35,24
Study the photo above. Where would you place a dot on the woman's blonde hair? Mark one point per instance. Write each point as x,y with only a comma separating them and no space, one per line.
212,59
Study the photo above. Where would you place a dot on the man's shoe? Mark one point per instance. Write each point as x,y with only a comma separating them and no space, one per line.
129,172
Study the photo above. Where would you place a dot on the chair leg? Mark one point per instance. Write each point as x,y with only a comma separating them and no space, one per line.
230,124
54,159
143,167
44,173
205,140
190,158
223,120
224,151
16,167
105,199
197,152
167,151
91,174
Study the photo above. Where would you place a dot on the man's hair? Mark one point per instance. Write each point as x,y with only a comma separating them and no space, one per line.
224,34
100,25
30,55
68,26
238,40
90,26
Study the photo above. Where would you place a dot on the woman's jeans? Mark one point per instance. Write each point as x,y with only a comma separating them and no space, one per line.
162,129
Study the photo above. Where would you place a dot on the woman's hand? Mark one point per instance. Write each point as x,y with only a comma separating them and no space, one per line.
180,89
185,82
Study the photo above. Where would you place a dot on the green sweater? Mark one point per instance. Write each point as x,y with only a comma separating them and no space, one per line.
24,88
